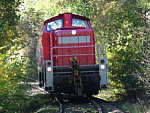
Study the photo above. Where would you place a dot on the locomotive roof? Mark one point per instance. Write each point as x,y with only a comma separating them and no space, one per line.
61,16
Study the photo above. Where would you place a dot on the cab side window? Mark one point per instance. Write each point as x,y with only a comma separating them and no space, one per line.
53,25
79,23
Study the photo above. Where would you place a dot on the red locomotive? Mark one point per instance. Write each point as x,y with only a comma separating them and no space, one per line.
67,57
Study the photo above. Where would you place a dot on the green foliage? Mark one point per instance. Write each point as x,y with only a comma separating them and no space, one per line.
11,91
127,45
32,25
121,28
12,65
8,22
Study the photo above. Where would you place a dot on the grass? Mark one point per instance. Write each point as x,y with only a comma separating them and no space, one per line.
128,105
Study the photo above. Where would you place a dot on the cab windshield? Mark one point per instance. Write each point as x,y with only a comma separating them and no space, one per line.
79,23
54,25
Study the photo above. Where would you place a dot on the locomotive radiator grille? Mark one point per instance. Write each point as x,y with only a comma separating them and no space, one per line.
74,39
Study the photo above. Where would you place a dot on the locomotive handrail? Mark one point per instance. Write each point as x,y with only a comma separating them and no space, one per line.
98,50
72,47
75,55
98,53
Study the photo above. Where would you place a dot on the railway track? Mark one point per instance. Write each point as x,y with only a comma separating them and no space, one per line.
67,103
74,104
78,105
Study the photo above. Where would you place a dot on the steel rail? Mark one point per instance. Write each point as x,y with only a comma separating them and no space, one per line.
61,108
96,106
92,102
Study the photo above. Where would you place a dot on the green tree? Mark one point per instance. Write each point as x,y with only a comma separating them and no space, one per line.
11,62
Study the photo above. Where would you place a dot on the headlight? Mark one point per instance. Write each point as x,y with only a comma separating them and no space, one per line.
102,66
49,69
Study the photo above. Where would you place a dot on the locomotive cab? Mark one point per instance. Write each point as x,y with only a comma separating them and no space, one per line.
67,57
